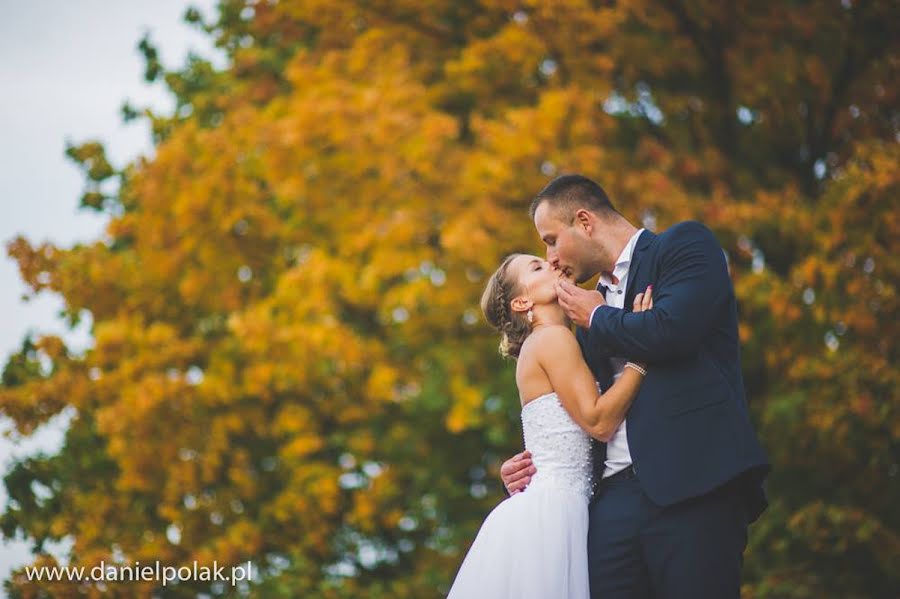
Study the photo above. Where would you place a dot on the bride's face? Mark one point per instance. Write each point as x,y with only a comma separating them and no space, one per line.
537,279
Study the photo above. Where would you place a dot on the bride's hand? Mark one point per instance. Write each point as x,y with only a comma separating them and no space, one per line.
644,301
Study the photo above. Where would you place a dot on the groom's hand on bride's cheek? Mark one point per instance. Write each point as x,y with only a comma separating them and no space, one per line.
578,303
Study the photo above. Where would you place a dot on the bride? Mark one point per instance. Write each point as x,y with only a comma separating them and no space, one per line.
561,411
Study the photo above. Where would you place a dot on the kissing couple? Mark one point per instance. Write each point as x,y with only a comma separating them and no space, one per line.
641,471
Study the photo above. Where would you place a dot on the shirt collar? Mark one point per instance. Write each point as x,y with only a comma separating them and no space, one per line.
622,262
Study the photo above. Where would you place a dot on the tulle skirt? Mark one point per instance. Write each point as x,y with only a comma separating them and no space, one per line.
533,545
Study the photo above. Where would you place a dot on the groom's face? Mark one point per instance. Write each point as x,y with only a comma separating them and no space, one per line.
569,245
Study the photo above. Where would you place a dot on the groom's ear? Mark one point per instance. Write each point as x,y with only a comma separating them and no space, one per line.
585,220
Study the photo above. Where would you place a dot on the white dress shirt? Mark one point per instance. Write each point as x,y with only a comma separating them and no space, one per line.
618,456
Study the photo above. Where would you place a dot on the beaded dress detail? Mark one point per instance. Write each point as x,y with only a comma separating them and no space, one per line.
533,545
560,450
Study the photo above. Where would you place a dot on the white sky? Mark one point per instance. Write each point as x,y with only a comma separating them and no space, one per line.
66,68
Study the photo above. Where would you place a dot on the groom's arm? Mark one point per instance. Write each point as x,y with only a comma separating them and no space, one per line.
692,287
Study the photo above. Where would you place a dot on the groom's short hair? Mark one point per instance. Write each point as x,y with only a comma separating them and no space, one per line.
568,193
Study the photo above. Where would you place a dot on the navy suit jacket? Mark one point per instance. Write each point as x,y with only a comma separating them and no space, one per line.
689,430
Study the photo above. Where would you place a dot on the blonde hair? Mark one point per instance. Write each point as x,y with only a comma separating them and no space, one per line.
495,304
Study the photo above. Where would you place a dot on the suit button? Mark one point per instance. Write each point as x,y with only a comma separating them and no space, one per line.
619,292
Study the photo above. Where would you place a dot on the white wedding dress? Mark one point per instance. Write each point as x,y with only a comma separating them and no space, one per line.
534,544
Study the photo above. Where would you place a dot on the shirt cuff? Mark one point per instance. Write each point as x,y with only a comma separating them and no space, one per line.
591,319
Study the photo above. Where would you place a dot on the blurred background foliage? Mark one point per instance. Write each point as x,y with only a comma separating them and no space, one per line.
289,364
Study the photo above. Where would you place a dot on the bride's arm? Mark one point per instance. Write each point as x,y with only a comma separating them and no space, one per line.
560,357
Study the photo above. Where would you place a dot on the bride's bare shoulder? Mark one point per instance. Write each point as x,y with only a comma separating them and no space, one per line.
551,332
548,339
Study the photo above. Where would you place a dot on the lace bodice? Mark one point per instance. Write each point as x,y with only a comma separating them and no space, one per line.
561,451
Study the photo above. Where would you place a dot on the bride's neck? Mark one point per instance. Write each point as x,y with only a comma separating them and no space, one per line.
550,314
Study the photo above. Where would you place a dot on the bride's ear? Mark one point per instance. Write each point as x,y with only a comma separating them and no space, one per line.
521,304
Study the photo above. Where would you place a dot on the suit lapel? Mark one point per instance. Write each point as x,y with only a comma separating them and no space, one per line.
640,248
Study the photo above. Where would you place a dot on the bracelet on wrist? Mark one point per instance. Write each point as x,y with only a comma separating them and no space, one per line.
636,367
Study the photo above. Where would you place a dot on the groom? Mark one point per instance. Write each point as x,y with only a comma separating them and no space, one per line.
682,477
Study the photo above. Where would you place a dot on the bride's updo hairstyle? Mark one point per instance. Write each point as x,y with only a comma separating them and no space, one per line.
495,303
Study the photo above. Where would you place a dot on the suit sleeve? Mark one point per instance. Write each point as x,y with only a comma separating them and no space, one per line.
693,285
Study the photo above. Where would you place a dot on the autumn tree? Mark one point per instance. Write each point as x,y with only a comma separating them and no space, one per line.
289,365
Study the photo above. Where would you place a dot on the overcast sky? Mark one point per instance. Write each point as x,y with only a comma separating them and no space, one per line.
66,67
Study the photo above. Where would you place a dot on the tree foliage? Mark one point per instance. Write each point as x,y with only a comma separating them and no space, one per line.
289,365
